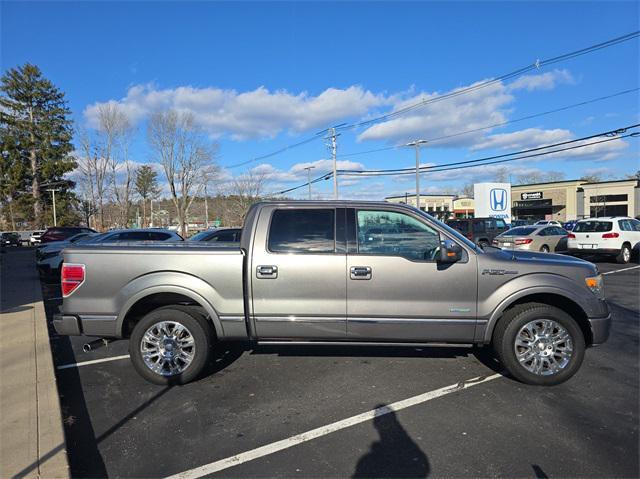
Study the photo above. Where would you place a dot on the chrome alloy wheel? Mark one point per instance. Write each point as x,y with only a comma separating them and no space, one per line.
167,348
543,347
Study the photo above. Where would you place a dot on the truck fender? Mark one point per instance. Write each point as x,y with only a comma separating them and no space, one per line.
166,282
513,291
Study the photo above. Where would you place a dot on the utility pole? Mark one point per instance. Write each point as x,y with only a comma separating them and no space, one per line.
417,144
206,208
53,195
334,148
309,168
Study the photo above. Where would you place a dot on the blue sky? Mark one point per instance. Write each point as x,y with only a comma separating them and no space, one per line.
259,76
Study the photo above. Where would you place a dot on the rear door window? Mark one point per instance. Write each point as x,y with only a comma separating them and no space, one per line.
302,231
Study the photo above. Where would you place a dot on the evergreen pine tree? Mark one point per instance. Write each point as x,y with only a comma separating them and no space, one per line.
35,140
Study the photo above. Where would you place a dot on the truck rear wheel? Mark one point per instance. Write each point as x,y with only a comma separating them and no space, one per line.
539,344
171,345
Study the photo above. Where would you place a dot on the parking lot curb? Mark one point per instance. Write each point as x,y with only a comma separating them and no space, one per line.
31,430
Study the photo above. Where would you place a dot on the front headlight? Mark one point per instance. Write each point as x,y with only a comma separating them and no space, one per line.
596,285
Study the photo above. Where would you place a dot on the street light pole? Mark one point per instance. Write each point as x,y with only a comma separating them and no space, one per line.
416,144
53,195
309,168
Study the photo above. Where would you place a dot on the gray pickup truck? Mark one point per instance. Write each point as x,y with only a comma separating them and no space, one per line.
334,272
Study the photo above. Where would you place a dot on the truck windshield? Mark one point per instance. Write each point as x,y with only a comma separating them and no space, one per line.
451,231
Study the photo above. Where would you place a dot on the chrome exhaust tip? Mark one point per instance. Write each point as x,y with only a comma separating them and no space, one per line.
95,344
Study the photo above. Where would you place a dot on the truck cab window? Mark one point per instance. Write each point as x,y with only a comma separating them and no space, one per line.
302,231
396,234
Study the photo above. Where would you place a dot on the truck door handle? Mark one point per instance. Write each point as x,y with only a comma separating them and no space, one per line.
267,272
360,272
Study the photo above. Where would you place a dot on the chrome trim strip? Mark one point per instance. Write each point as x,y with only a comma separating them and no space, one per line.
413,320
235,318
299,319
93,317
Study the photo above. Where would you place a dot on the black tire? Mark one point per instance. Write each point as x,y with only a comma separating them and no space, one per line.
200,329
509,325
544,249
483,244
625,254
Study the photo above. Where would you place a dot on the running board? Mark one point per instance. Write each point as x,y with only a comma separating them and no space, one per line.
360,343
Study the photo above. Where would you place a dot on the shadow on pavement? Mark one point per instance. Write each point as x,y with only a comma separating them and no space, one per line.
395,454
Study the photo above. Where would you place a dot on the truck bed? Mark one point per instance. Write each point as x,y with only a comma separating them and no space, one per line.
116,276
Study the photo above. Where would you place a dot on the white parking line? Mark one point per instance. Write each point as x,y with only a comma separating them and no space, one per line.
93,361
621,270
324,430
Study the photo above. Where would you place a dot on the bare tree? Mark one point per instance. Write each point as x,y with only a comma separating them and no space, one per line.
467,190
502,174
94,174
246,190
117,133
186,157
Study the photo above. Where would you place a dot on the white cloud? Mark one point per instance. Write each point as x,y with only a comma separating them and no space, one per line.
534,137
519,140
543,81
461,113
259,113
477,109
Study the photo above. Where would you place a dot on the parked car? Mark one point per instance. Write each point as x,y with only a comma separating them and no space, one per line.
10,238
349,272
59,233
50,261
617,237
46,248
533,238
547,223
219,235
24,237
481,231
35,237
569,225
515,223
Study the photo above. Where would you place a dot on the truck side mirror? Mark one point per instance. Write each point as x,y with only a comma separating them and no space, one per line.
450,251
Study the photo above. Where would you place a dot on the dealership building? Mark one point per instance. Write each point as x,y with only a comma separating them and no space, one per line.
557,200
575,199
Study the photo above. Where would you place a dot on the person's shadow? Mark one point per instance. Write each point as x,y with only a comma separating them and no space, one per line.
395,454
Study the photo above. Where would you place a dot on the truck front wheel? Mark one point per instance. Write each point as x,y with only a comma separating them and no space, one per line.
171,345
539,344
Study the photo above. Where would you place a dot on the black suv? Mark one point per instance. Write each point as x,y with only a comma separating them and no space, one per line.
479,230
10,238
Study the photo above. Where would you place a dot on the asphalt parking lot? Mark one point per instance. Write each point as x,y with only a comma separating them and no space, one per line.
118,425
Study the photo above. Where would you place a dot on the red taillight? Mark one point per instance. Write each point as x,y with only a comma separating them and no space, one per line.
470,236
524,241
72,276
571,236
610,235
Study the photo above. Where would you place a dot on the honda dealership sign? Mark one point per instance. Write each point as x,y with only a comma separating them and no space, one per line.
493,200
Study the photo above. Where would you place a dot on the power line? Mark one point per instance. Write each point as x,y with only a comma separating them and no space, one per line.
534,66
496,125
473,163
432,170
615,132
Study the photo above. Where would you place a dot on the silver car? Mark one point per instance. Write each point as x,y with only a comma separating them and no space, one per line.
533,238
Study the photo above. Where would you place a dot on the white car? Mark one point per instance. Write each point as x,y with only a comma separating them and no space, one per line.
548,223
606,236
35,237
